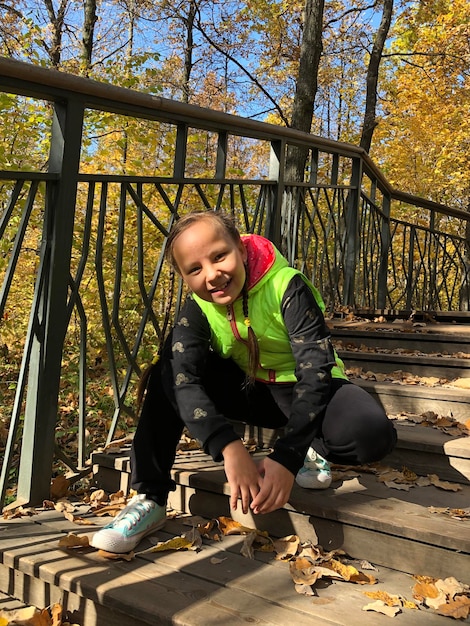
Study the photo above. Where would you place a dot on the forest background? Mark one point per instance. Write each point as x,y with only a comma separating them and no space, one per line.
391,76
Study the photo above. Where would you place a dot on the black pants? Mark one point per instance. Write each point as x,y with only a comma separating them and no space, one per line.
354,429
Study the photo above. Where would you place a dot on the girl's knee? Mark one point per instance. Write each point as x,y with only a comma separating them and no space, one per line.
378,441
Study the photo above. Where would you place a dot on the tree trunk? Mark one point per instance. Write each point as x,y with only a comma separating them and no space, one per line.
89,20
188,51
57,23
306,84
370,121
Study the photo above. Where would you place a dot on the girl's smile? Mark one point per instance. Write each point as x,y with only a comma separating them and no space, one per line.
211,263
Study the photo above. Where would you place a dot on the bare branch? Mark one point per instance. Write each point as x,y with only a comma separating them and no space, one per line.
254,80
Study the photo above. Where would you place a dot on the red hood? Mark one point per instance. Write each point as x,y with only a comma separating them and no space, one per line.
261,256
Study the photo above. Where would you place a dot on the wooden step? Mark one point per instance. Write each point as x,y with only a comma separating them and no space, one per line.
446,368
430,339
422,449
356,514
216,585
405,398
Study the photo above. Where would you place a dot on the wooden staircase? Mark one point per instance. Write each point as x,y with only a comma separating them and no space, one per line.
418,531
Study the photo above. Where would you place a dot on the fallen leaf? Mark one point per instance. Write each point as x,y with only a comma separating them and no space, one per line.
304,572
111,509
27,616
366,565
423,481
74,541
450,586
350,573
59,487
399,486
114,556
188,541
56,614
305,590
98,497
14,615
76,519
286,547
443,484
229,526
312,552
64,505
119,496
247,549
379,607
462,383
459,608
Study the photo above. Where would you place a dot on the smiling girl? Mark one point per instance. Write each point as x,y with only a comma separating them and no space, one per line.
250,345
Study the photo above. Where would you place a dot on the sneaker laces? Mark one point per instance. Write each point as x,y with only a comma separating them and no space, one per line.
138,508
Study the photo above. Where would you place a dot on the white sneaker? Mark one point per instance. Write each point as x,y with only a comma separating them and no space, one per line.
315,473
138,519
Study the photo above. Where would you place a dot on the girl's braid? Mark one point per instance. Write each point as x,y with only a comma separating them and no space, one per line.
253,347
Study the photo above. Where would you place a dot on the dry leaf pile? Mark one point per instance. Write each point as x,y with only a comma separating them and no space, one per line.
31,616
445,423
351,347
447,597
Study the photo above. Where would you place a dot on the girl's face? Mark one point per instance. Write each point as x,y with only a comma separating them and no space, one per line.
210,262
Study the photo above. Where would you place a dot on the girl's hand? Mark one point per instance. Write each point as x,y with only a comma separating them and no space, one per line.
242,474
275,488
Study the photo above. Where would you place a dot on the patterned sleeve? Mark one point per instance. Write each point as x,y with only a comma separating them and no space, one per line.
314,357
190,349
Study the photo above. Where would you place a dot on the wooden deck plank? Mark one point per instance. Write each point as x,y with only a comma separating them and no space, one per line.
187,587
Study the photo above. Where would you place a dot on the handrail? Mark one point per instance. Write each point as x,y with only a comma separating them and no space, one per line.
103,96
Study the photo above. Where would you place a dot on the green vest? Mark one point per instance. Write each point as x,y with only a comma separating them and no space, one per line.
229,333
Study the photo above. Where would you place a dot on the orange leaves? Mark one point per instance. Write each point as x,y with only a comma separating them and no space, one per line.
447,597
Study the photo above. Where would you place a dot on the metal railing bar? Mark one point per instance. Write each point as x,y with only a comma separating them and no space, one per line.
16,250
102,291
28,175
15,194
22,378
76,281
204,199
173,181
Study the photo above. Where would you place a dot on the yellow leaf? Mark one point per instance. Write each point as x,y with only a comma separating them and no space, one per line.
229,526
188,541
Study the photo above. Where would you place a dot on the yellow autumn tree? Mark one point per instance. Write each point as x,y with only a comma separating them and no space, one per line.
423,139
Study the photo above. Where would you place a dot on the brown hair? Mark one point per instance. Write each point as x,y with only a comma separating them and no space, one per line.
227,225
